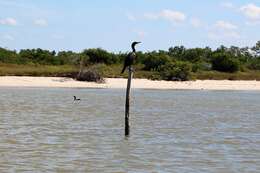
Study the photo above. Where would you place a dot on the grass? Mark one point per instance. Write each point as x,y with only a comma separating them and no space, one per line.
214,75
114,71
36,70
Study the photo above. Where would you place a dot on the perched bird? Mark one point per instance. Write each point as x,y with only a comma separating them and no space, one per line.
129,60
76,99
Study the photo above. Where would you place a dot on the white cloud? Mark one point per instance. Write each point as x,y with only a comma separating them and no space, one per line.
41,22
252,22
27,8
151,16
223,30
11,3
131,17
227,4
225,25
170,15
8,21
195,22
251,11
174,16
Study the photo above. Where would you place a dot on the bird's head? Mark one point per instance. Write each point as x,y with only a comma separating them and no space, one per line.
134,44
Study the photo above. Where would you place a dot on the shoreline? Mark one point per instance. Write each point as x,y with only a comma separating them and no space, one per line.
119,83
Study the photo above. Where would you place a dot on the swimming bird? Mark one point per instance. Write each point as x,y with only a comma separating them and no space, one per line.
76,99
129,60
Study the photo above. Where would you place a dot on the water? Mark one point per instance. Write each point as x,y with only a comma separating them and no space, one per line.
42,130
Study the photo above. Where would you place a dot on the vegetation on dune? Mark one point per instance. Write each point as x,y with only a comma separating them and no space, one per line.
37,70
177,63
176,71
225,63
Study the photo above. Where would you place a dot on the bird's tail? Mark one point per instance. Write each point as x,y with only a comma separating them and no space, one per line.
123,70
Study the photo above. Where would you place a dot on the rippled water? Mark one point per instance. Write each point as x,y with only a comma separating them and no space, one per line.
42,130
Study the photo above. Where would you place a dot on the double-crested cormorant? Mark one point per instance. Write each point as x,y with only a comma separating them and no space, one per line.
129,60
75,98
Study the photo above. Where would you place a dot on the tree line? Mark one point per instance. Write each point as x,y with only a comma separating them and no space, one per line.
177,63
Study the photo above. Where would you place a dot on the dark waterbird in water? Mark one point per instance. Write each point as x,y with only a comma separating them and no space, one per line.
76,99
129,60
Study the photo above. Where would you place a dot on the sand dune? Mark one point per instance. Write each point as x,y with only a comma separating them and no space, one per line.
13,81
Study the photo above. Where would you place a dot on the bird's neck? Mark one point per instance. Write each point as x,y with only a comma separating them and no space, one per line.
133,48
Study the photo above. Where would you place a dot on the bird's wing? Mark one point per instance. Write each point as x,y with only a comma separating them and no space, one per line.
131,58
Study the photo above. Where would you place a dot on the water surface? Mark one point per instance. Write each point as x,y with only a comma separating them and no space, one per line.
43,130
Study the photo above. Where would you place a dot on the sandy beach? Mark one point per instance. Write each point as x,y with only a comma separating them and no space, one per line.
13,81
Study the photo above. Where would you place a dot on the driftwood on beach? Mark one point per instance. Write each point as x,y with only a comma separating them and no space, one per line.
90,74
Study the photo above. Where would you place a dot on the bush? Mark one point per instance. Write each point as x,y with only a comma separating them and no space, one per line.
154,62
177,71
39,56
71,58
155,76
100,56
7,56
91,74
255,64
225,63
201,66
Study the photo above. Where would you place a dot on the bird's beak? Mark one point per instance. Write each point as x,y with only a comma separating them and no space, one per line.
139,42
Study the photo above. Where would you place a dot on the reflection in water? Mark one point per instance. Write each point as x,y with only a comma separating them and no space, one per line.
43,130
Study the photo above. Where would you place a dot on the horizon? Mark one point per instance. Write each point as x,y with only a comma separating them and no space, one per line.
120,51
113,25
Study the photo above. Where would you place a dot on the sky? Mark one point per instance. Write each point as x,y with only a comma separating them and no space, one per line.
114,24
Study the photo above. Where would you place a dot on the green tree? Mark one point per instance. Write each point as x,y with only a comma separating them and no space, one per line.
225,62
254,64
178,70
154,61
177,51
39,56
7,56
70,58
100,56
256,48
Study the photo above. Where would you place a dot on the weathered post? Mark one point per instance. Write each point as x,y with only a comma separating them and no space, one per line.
127,103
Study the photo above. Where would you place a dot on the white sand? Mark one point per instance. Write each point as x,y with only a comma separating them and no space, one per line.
12,81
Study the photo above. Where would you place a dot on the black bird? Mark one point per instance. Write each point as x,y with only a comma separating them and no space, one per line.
75,98
129,60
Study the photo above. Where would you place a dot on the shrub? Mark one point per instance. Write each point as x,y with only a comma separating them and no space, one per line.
155,76
154,62
225,63
100,56
177,71
201,66
7,56
255,64
71,58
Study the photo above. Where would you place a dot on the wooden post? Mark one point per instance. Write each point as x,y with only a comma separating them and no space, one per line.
127,103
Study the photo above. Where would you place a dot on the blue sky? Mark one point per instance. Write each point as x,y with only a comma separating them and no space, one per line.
114,24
